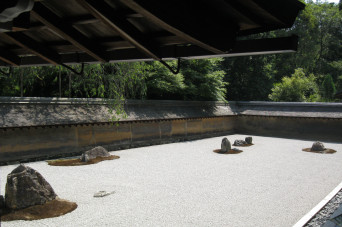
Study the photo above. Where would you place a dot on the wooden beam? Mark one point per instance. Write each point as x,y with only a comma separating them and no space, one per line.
284,11
126,30
9,57
217,38
44,15
238,6
33,46
242,48
80,19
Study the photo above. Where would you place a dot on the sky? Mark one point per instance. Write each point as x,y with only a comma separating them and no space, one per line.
334,1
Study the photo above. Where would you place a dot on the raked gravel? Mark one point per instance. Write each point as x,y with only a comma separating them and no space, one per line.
272,183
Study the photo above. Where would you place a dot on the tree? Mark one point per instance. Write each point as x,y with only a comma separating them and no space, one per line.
162,84
328,87
297,88
203,80
249,78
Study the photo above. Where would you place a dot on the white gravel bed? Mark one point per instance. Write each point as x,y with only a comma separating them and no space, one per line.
272,183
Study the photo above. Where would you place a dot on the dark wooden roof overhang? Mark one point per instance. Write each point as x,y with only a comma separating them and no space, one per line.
76,31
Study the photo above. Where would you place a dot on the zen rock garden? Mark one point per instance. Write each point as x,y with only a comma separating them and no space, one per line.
93,156
226,147
318,147
28,196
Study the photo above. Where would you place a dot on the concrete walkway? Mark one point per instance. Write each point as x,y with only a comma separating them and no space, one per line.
272,183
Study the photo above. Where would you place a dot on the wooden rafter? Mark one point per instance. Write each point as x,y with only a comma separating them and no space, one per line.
33,46
9,57
280,10
236,5
127,31
198,40
48,18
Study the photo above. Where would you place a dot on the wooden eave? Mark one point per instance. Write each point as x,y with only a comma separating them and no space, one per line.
77,31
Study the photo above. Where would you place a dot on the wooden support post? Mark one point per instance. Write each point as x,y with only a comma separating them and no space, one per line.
21,83
69,84
60,83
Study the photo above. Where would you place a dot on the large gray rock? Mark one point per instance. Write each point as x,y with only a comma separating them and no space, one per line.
240,143
26,187
225,145
249,140
93,153
317,146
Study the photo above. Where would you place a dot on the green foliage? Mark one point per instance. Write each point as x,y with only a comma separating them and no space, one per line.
197,80
328,87
249,78
162,84
297,88
203,80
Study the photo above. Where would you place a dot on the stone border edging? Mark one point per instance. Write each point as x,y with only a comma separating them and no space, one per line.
295,104
306,218
99,101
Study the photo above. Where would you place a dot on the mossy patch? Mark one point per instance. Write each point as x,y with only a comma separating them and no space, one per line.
78,162
228,152
245,145
326,151
50,209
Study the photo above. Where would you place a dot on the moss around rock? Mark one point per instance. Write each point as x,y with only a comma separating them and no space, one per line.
78,162
54,208
231,151
318,147
326,151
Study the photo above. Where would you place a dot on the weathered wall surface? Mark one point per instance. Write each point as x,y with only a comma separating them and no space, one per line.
56,141
27,112
32,128
322,129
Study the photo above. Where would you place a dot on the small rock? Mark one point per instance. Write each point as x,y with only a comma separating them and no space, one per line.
26,187
317,146
225,145
84,157
103,193
240,143
94,153
235,149
249,140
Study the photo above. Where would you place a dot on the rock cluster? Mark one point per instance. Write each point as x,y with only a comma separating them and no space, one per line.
225,145
94,153
26,187
317,146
